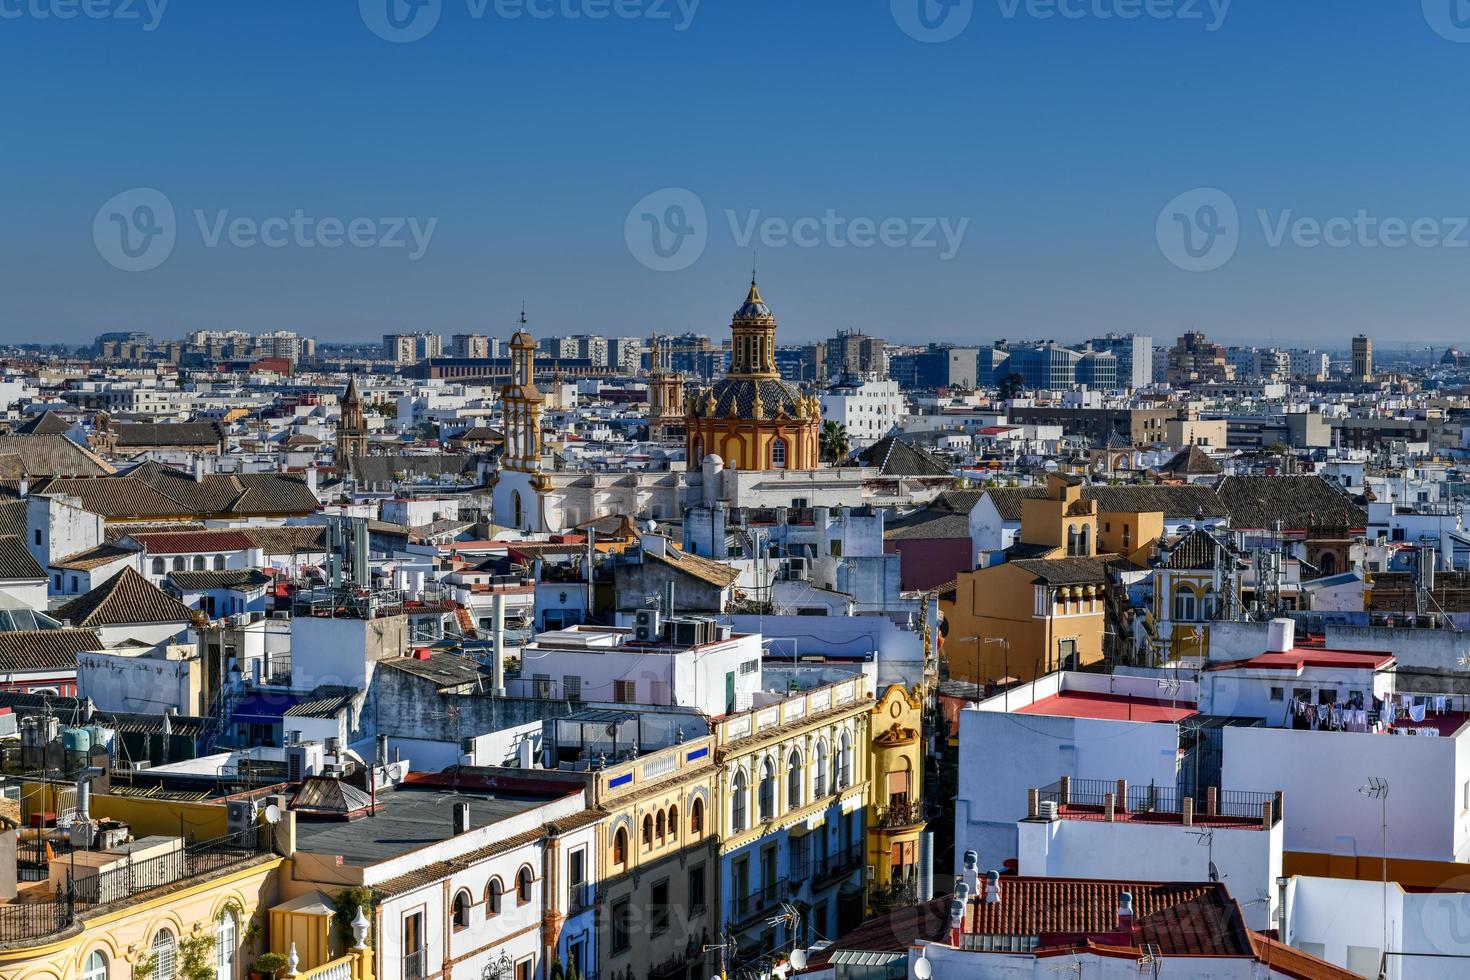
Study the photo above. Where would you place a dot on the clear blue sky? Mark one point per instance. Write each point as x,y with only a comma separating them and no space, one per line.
529,140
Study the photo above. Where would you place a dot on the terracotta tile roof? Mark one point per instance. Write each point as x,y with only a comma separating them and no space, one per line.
894,457
1193,461
237,578
55,455
150,434
1282,958
195,542
1180,502
284,540
48,423
1298,502
45,649
1180,918
16,563
113,533
1067,571
13,517
716,573
98,557
125,599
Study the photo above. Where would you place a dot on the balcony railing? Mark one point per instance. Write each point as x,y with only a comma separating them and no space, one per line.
416,965
124,883
829,866
762,900
1089,799
898,815
579,899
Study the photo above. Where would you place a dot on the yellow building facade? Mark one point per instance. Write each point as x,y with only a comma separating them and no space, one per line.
896,819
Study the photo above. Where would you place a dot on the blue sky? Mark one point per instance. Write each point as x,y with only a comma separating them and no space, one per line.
522,144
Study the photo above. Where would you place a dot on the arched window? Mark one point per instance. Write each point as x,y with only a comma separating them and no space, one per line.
162,951
96,967
766,796
1210,608
1071,539
495,893
1329,564
778,454
523,885
158,566
647,832
673,823
1084,541
844,761
819,770
794,780
515,503
696,817
1184,604
178,563
659,828
219,563
737,802
224,945
461,913
198,563
620,846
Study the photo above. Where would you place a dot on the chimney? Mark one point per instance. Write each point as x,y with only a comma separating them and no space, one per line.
972,871
926,866
992,887
957,913
1125,912
461,818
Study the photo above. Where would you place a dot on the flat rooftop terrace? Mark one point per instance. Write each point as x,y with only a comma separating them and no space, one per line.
407,819
1109,707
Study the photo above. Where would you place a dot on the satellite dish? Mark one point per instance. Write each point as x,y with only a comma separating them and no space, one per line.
651,526
272,814
798,959
923,970
1214,872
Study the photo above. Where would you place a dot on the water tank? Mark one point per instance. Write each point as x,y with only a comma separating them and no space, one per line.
1281,635
77,740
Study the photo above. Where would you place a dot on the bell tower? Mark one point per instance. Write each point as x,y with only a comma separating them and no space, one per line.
352,434
521,405
753,332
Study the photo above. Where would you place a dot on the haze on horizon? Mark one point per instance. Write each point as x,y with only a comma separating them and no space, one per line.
1021,179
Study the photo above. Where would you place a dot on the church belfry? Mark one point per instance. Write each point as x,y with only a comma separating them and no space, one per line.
352,433
521,404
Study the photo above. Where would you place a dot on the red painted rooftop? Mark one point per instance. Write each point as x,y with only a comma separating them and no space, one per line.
1299,657
1108,707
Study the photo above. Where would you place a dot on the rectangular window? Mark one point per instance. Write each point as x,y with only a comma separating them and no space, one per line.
571,687
622,936
698,889
625,692
523,969
1278,694
415,956
659,907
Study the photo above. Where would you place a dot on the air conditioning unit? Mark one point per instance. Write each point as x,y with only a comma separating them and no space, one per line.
796,570
304,760
1047,810
646,626
239,816
687,632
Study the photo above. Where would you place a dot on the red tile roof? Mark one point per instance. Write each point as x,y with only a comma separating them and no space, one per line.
1109,707
195,542
1180,918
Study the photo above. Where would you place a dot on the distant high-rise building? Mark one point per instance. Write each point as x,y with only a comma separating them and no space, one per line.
1195,360
1135,354
410,348
939,366
469,345
1310,365
1046,365
851,354
1362,358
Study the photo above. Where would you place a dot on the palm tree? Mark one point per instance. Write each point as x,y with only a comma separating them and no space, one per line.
834,442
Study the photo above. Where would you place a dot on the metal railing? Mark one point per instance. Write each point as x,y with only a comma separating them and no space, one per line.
37,920
416,965
763,899
1087,799
908,813
835,865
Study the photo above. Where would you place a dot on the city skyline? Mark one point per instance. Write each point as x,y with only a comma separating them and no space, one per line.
508,155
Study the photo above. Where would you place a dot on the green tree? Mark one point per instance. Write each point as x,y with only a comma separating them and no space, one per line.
1011,386
835,446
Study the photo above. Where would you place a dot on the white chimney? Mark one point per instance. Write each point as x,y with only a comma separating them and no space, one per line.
992,887
1125,912
972,871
